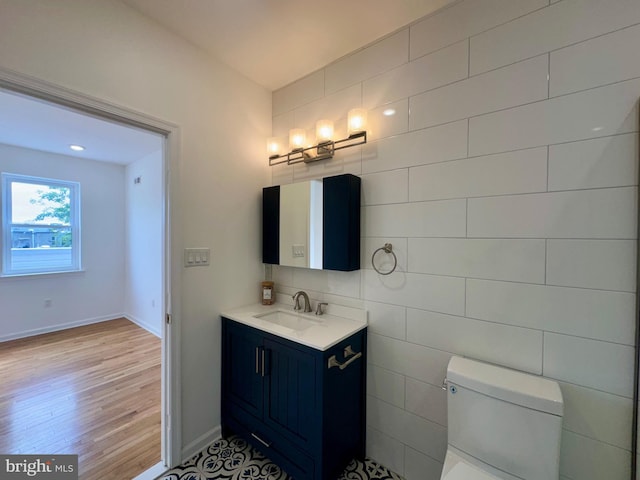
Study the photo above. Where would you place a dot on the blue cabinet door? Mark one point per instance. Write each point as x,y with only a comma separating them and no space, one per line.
243,368
291,403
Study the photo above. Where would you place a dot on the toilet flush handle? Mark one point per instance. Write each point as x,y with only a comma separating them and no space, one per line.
444,383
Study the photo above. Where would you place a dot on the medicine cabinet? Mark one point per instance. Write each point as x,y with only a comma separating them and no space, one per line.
313,224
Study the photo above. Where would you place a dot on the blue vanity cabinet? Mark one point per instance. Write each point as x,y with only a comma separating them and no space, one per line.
283,398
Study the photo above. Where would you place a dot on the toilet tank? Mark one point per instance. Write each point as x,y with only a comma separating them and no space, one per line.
509,420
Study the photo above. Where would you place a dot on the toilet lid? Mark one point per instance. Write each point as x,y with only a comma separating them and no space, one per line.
464,471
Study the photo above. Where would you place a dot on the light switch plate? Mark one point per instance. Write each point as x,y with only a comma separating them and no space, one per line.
196,257
297,250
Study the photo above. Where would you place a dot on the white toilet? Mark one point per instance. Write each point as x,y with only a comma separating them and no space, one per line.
503,424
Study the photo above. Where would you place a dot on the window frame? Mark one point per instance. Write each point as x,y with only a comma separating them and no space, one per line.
74,223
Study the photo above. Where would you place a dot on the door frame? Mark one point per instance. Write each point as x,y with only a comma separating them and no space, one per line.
171,421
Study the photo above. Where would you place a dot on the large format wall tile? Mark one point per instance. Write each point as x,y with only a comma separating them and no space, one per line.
496,259
524,82
515,347
523,171
465,19
554,27
600,365
377,58
428,292
595,163
574,214
431,145
445,218
602,264
586,313
593,113
426,73
595,62
583,414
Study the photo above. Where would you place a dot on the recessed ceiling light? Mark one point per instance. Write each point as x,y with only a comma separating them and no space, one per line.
76,148
389,111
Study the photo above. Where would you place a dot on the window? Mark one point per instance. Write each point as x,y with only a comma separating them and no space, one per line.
40,225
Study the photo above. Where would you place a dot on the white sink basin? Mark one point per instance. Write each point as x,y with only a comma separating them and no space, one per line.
287,320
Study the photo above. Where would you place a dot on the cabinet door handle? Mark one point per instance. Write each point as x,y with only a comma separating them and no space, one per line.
263,362
266,444
257,360
333,362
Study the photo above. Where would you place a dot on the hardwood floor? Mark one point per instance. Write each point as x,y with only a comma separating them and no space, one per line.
93,391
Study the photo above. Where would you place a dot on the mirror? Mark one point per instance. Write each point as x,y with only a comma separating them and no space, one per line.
301,224
313,224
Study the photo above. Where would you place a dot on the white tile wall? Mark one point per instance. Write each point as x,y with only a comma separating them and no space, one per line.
426,73
431,145
584,410
575,214
511,202
523,171
465,20
595,62
377,58
419,466
600,162
386,450
587,459
444,218
426,400
602,264
586,313
557,26
517,84
591,363
593,113
515,347
497,259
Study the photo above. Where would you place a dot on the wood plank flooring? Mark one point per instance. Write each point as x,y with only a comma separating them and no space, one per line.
93,391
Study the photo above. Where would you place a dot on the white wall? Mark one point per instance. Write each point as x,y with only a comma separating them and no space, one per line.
144,248
107,50
511,202
96,293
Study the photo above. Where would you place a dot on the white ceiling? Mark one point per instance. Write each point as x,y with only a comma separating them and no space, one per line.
31,123
274,42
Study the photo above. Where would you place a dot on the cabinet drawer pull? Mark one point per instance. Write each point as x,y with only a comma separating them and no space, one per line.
333,362
257,361
266,444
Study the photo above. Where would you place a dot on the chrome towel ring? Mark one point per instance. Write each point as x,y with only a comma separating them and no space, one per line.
388,248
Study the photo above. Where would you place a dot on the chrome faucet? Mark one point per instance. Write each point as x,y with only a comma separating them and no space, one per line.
296,301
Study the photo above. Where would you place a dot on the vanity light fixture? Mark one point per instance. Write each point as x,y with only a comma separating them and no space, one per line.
325,147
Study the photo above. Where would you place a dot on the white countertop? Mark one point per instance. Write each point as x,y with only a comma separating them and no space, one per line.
324,332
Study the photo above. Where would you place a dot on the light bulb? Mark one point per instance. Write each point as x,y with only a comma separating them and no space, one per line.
324,130
297,138
357,120
274,146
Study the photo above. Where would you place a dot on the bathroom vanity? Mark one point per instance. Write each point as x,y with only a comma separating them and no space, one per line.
293,386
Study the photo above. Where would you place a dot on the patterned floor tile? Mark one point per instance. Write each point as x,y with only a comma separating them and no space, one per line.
234,459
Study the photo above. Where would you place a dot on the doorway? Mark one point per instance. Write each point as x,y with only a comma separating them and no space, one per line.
15,83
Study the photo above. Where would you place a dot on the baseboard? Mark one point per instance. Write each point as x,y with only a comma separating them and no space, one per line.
201,443
61,326
143,324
